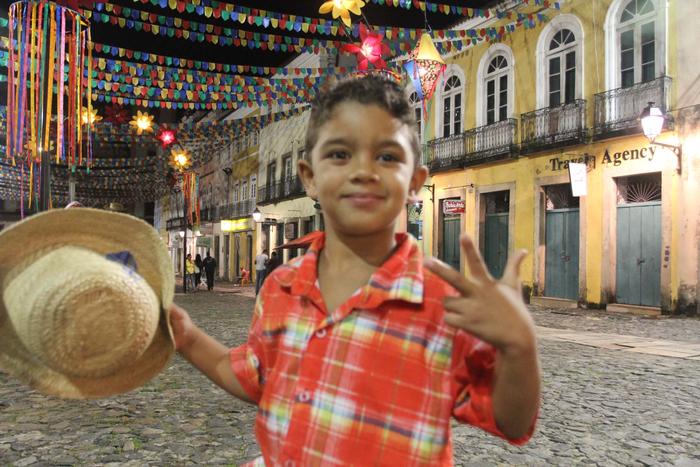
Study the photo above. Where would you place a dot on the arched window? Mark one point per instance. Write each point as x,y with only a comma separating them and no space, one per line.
496,86
561,64
452,106
417,105
637,43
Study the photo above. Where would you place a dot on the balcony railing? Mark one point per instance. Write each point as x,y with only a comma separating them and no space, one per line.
475,146
617,111
554,126
285,189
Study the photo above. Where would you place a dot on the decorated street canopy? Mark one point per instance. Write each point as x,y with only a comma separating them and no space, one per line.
103,86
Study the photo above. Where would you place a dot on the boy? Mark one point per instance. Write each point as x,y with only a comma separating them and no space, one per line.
359,352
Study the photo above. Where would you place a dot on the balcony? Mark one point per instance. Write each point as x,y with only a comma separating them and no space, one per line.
558,126
617,111
288,188
476,146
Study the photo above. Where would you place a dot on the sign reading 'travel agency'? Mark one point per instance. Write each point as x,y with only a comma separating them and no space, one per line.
453,206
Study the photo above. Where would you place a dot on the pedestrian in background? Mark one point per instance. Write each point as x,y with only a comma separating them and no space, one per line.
209,264
272,263
189,271
260,265
198,265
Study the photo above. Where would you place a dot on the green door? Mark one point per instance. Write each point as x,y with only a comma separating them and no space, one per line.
561,253
639,253
496,242
450,241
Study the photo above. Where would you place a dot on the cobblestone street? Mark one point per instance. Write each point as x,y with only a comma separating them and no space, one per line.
603,406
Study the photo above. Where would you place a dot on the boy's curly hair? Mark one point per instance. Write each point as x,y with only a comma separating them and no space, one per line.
368,89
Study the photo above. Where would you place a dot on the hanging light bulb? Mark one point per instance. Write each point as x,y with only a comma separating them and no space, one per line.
89,116
142,122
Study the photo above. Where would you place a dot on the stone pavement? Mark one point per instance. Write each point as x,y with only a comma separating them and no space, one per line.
601,405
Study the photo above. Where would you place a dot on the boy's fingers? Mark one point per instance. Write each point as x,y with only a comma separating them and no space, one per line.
474,260
449,274
511,273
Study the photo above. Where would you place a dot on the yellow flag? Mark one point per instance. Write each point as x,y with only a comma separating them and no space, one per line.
208,11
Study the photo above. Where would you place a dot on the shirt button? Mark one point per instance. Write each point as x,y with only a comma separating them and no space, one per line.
303,396
321,333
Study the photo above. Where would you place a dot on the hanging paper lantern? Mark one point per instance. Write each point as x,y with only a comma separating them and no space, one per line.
142,122
180,159
370,50
49,68
425,67
342,8
89,116
116,114
166,136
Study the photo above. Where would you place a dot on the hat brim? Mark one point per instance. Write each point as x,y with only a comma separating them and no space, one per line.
103,232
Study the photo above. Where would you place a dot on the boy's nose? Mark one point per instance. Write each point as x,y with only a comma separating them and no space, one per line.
363,169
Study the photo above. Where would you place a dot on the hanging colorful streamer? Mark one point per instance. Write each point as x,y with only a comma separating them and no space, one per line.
190,188
49,50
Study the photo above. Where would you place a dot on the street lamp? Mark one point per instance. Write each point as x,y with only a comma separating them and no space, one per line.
653,119
257,215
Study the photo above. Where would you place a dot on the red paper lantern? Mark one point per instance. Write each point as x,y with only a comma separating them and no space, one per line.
166,136
370,50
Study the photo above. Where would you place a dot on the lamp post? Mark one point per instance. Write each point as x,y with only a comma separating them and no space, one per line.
653,119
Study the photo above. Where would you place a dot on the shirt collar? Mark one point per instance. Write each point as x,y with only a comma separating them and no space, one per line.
399,278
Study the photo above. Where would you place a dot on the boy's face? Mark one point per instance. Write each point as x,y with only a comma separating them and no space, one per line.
362,169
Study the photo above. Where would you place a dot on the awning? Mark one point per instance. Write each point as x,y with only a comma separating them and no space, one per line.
301,242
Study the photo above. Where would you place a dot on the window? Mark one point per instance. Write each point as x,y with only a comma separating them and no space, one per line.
562,68
452,107
244,190
271,173
497,90
637,44
287,172
253,186
235,193
417,105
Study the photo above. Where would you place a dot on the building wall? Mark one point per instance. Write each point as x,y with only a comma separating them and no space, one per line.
526,175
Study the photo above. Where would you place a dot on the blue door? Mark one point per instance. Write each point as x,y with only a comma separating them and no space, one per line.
638,275
449,247
496,242
561,253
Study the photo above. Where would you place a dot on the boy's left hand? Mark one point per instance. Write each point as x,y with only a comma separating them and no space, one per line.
492,310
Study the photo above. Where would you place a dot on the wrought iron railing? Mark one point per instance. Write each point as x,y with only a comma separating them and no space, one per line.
550,126
475,146
288,188
618,110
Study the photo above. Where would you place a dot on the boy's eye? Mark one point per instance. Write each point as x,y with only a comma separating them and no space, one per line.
386,157
338,155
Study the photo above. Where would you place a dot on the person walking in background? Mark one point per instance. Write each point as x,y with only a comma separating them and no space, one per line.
209,265
260,265
198,265
189,271
272,263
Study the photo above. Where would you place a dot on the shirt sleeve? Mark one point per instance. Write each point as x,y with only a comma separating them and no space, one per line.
247,359
472,380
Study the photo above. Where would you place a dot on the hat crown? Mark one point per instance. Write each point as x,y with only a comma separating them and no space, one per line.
81,313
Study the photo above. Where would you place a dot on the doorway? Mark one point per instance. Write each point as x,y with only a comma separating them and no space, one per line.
495,238
450,231
561,242
638,271
227,250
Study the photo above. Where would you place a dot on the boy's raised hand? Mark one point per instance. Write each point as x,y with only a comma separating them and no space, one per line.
492,310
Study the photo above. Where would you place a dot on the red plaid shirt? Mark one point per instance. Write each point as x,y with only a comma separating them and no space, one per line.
373,382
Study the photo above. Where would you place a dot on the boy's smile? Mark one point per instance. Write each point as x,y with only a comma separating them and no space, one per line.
362,169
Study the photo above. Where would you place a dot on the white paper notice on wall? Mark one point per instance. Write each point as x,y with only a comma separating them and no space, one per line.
579,179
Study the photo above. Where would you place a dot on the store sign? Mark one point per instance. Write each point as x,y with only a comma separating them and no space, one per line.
236,225
290,231
204,242
578,177
615,158
453,206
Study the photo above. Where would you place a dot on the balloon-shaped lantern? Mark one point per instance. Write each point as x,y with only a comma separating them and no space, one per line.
425,67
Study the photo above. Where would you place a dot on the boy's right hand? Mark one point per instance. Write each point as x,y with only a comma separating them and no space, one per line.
182,326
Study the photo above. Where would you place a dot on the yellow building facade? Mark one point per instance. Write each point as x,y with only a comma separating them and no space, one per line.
508,118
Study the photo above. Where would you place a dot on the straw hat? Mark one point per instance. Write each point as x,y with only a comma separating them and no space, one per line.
84,300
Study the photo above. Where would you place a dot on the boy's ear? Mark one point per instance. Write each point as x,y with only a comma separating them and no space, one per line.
417,181
306,173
